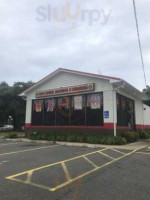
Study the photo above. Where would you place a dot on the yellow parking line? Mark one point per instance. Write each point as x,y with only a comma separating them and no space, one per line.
32,184
89,172
118,151
66,171
27,150
69,180
88,160
45,166
28,180
145,153
107,155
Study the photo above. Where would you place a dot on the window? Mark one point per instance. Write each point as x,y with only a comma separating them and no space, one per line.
125,111
62,111
49,111
94,112
37,112
77,110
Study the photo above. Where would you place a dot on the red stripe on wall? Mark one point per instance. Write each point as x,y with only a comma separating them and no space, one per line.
27,125
106,126
140,126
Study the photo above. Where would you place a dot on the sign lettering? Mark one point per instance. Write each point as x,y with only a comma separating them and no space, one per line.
66,90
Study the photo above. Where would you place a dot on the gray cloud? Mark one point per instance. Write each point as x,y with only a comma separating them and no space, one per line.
30,49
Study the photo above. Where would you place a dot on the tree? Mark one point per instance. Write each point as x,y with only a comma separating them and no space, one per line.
147,92
11,104
5,96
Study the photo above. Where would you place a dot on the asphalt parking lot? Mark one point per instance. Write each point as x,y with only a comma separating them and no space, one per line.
30,171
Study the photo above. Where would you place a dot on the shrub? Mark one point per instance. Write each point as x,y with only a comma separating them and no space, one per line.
130,136
13,135
72,138
33,137
61,138
118,140
108,140
82,138
137,136
92,140
144,134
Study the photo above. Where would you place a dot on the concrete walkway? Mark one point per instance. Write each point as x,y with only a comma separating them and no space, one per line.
132,146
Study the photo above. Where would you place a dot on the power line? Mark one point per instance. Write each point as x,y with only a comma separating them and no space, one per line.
139,41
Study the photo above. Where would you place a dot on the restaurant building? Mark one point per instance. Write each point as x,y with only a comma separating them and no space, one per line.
68,99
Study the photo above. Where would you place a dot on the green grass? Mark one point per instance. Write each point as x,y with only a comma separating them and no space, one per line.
11,134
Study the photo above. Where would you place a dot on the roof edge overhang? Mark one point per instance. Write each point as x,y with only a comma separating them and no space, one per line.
111,79
124,84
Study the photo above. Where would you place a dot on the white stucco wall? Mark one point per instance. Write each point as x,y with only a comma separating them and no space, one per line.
139,112
146,115
109,99
65,79
28,110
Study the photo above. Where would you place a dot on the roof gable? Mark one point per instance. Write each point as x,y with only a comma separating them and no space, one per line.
67,71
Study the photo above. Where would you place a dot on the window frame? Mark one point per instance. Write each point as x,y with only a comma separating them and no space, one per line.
70,96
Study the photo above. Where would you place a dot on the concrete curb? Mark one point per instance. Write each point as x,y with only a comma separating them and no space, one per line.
131,146
32,141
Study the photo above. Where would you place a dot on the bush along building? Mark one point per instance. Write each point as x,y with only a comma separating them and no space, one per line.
73,101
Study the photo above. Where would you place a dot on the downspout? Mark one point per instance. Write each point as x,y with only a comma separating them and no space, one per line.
143,116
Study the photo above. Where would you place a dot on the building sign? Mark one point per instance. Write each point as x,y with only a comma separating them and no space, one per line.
66,90
106,114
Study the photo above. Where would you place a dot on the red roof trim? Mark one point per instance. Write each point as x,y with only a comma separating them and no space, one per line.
90,74
49,75
71,71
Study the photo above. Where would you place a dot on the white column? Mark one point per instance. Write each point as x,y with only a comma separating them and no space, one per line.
28,111
114,112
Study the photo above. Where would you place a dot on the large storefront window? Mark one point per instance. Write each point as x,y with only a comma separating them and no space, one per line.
62,111
94,112
37,112
79,110
49,111
125,112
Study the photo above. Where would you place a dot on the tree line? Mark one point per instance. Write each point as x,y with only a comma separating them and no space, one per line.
13,105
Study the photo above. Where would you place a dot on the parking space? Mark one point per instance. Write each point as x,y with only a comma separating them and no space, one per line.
64,172
55,170
145,151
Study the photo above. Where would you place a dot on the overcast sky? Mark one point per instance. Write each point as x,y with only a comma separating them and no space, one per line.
99,36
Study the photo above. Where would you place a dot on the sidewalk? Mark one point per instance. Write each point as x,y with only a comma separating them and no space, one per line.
132,146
